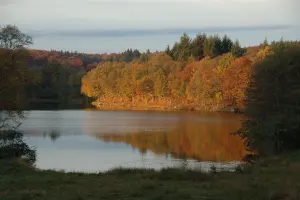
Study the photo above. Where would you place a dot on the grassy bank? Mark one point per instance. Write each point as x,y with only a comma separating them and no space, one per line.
275,178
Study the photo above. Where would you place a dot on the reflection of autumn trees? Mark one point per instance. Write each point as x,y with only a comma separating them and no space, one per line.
201,141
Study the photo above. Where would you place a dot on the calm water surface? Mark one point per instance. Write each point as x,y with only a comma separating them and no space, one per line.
92,141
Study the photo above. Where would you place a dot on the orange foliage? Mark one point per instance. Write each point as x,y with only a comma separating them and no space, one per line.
187,72
200,85
193,140
235,80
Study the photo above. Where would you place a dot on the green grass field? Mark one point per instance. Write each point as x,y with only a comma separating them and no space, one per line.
274,178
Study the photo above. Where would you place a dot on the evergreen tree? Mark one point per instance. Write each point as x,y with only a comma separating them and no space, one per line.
148,52
212,46
226,44
207,47
168,51
184,47
144,57
175,51
264,44
218,46
237,50
197,46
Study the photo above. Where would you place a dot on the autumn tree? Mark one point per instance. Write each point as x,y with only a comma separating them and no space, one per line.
235,79
226,60
273,101
204,85
146,86
160,84
87,86
265,51
126,84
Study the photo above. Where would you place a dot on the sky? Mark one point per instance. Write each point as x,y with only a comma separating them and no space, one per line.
98,26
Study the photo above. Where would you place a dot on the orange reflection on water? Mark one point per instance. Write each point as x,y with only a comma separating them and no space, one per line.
203,141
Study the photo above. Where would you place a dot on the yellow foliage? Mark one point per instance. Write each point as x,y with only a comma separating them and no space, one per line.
219,96
266,51
86,87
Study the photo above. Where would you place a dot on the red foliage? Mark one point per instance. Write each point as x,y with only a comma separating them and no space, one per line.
76,62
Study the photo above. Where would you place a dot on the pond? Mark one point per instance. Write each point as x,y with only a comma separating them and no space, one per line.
92,141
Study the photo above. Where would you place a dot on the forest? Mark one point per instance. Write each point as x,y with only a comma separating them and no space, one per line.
207,73
56,76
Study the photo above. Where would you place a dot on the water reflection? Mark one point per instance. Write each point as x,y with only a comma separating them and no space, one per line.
91,141
53,135
192,140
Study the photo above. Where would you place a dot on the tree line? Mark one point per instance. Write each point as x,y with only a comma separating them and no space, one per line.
176,78
204,46
58,77
80,61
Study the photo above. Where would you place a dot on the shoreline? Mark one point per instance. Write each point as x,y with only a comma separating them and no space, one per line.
177,109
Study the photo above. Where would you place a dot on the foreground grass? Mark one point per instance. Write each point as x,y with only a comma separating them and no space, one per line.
276,178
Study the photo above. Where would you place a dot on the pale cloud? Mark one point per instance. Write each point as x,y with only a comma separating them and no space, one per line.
6,2
119,18
82,14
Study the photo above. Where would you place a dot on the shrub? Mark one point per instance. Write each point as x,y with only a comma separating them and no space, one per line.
13,146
